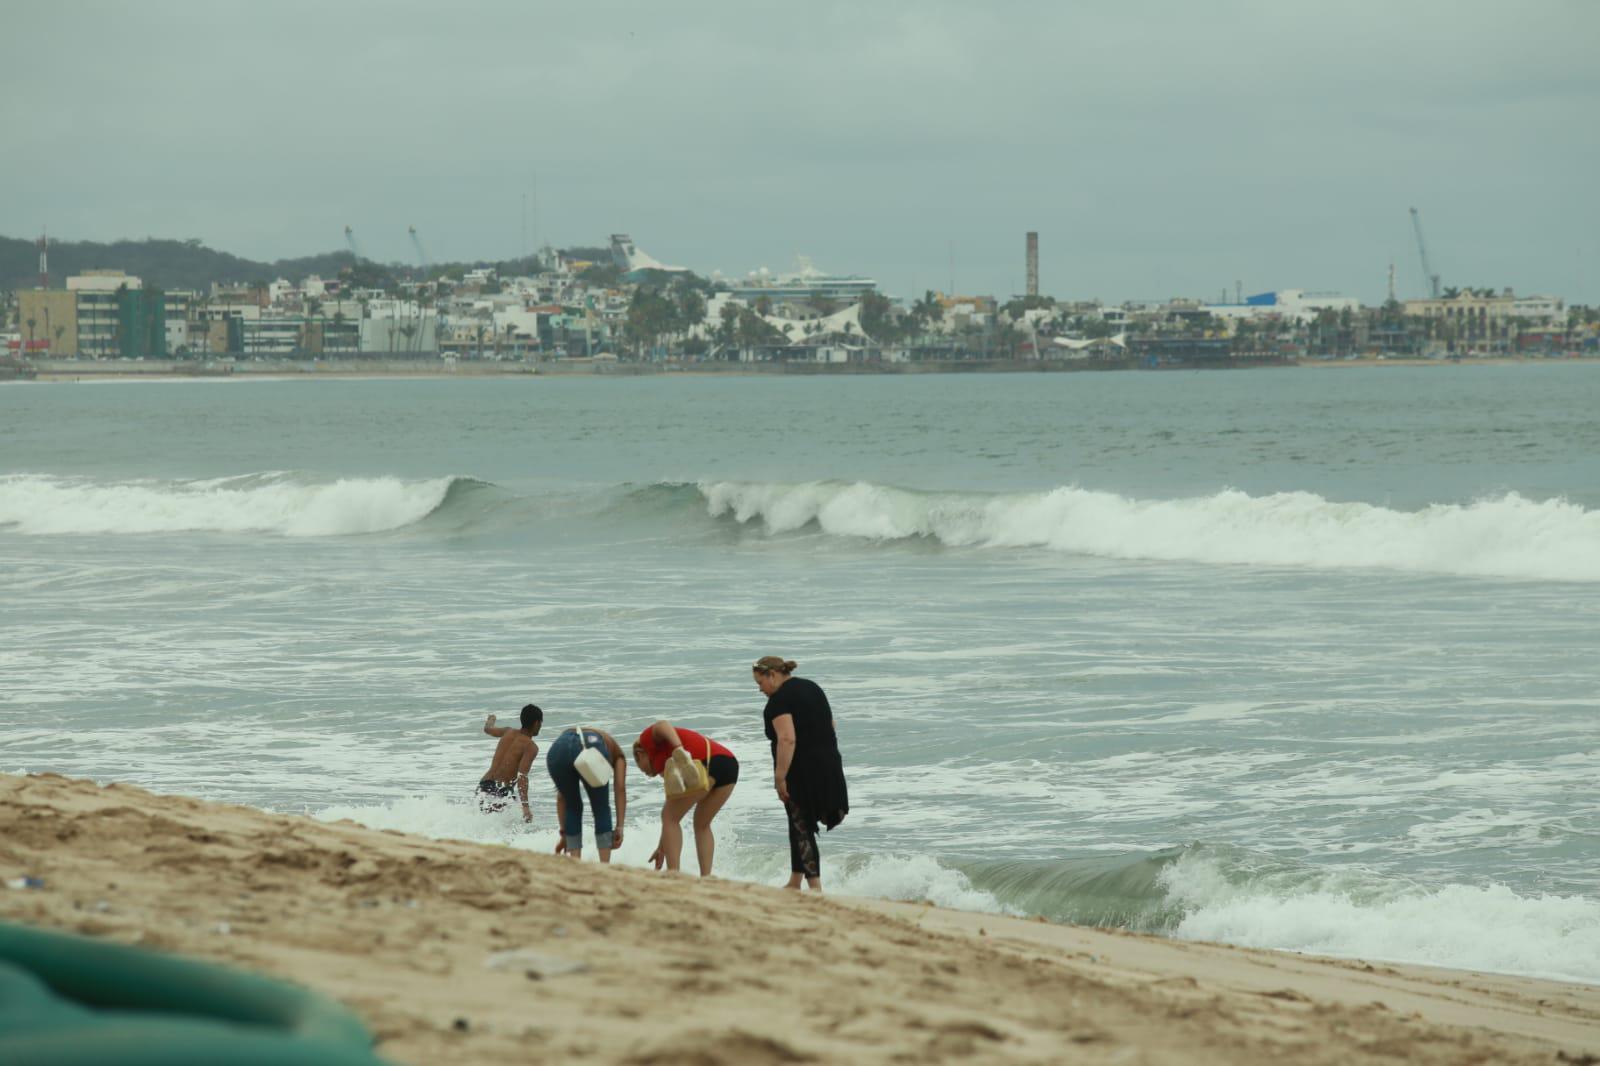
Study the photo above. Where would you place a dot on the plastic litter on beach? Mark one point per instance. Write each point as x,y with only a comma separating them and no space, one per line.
536,965
25,882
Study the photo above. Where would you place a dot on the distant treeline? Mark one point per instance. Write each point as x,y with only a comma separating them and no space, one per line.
189,264
165,264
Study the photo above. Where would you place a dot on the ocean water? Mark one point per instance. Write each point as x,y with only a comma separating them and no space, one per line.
1302,659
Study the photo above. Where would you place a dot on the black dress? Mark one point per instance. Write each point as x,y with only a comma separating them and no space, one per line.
816,774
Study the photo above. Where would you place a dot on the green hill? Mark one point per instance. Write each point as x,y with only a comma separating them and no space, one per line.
171,264
166,264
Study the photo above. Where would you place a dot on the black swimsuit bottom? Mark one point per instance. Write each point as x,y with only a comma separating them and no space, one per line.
724,770
495,788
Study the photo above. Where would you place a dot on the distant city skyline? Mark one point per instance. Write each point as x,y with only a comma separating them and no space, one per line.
1159,149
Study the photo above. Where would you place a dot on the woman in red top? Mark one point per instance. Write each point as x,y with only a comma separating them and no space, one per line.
654,747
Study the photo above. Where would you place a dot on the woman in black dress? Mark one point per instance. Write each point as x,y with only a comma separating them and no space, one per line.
807,770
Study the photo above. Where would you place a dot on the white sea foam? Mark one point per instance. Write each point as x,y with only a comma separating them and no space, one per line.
917,878
269,503
1458,926
902,877
1506,536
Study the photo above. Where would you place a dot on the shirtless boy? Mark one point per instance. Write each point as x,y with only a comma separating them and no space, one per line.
512,758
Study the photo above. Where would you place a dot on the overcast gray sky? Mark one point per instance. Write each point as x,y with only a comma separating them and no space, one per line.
1160,148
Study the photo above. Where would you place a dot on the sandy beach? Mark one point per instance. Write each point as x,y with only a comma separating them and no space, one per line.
632,966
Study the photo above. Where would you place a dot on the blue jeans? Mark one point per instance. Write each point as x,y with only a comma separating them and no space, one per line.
563,753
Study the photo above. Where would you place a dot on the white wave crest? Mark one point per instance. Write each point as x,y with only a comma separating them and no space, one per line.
1458,926
269,503
1507,536
901,877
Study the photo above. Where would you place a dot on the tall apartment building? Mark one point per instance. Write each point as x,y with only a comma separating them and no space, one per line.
117,316
96,299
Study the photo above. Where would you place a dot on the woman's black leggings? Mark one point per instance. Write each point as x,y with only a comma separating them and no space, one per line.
803,856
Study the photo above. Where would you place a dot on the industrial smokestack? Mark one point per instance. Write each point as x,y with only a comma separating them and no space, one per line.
44,260
1033,263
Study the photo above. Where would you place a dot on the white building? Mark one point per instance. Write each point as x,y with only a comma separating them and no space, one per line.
518,324
1541,310
274,335
400,327
1285,303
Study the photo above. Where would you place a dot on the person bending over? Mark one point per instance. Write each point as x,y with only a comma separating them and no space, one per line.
570,789
652,750
512,758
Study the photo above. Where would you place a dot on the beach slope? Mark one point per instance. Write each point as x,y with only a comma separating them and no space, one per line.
458,952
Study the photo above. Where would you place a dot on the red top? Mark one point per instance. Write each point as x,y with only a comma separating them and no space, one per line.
659,751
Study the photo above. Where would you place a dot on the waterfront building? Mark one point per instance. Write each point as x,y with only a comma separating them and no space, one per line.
141,331
47,322
117,316
807,284
96,302
400,327
176,306
1482,318
1294,304
1540,310
518,329
1470,319
272,336
964,312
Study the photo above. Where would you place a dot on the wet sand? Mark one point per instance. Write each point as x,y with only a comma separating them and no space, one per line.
632,966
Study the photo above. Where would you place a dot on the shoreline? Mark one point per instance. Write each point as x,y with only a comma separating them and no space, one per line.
630,965
69,372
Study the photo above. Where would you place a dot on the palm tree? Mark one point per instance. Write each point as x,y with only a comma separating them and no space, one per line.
926,310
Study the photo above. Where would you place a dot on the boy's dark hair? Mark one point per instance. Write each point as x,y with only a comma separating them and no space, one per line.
532,717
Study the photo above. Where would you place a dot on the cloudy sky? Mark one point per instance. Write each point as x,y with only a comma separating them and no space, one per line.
1160,148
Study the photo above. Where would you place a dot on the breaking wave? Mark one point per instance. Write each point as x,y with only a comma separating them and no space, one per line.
1229,895
1208,892
274,503
1506,536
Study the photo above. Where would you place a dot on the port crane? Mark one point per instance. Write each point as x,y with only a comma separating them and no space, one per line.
1422,253
350,239
422,253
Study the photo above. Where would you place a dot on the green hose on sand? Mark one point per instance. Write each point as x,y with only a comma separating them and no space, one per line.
71,1001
